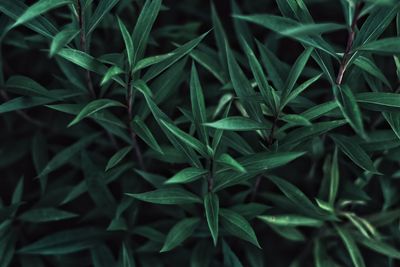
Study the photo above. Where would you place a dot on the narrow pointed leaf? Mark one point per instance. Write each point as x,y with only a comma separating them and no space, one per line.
349,108
145,134
41,215
65,155
351,247
61,40
168,196
128,42
179,233
238,226
93,107
186,176
227,160
237,123
117,157
38,9
355,153
211,207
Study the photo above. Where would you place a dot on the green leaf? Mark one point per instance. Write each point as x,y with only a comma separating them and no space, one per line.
145,134
305,133
103,7
64,242
378,246
97,186
355,153
220,38
198,105
295,119
83,60
262,82
38,9
143,27
188,139
61,39
290,220
66,154
20,103
41,25
27,86
369,66
93,107
230,258
152,60
351,247
41,215
298,198
179,233
128,42
110,74
242,86
211,207
295,72
168,196
303,32
238,226
178,53
208,62
379,101
349,108
298,90
383,46
334,177
227,160
187,175
117,157
237,123
127,258
393,119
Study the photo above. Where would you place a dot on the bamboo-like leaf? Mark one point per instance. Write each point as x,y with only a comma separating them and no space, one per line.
64,242
227,160
186,176
38,9
102,9
334,177
179,233
211,207
198,105
351,247
297,197
145,134
355,153
65,155
117,157
290,220
349,108
237,123
41,215
93,107
238,226
188,139
167,196
128,42
143,27
62,39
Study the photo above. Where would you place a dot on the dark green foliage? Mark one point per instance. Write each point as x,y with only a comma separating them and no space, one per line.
193,133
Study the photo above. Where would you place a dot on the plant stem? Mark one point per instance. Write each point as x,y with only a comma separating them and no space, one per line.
271,136
350,40
83,45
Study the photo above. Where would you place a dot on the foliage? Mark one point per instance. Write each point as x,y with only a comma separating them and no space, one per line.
182,133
